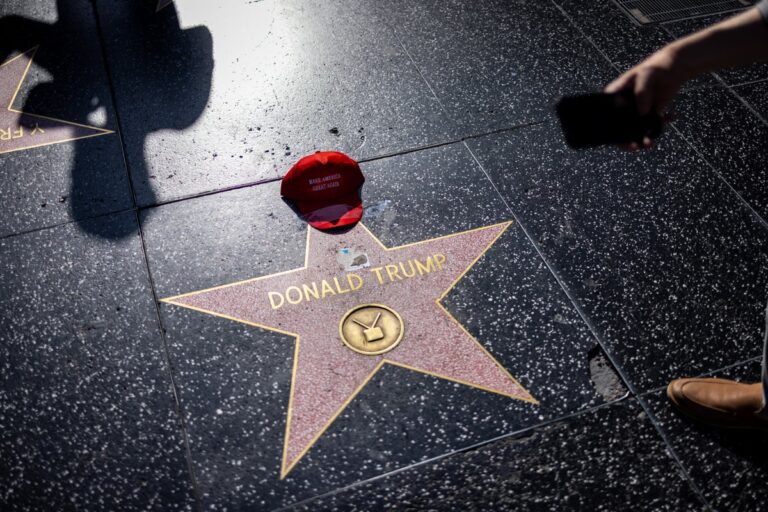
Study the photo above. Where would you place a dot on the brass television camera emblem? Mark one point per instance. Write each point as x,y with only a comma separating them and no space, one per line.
371,329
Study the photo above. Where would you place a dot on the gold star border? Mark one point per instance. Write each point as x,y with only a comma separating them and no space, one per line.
287,469
10,108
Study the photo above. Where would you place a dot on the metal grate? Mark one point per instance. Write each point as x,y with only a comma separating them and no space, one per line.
658,11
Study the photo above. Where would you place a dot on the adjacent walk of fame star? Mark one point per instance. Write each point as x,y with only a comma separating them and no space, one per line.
347,325
19,130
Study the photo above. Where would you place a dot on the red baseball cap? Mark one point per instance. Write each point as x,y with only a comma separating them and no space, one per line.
326,189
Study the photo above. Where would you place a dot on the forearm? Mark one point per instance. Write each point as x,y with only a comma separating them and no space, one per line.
737,41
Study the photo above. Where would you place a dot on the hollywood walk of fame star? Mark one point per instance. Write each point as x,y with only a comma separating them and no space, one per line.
20,130
309,302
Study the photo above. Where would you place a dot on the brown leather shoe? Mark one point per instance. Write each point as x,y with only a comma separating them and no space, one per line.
719,402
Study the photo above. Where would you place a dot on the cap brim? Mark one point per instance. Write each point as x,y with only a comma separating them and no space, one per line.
329,215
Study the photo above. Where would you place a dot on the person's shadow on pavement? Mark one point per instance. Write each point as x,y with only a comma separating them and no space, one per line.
171,72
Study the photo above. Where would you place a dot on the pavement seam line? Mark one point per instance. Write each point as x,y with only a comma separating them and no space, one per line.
718,175
113,100
517,433
169,369
752,109
592,328
166,352
585,36
757,359
271,180
673,453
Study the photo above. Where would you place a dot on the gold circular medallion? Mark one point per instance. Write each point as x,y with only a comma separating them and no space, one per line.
371,329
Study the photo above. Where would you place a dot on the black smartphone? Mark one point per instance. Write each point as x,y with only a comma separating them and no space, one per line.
597,119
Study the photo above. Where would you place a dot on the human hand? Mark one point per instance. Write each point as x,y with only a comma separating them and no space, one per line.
655,82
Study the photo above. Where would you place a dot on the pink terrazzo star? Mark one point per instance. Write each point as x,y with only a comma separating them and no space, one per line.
19,130
327,375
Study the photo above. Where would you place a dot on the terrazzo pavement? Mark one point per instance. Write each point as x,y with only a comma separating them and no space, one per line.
606,275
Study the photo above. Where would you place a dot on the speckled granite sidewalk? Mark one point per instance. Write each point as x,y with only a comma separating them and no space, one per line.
168,325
